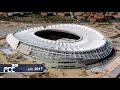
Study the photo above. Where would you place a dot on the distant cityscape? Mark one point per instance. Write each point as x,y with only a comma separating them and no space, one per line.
80,16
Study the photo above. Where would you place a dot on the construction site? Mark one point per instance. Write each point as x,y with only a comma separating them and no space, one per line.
109,68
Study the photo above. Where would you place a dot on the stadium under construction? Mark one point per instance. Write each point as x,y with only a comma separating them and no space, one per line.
61,45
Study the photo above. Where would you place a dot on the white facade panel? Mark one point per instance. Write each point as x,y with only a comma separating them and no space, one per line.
12,41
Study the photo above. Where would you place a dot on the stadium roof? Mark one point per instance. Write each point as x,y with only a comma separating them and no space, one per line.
90,38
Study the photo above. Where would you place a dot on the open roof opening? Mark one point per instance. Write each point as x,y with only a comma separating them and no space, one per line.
56,35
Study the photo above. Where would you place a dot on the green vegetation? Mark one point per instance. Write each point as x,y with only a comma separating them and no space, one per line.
5,18
38,18
107,22
110,21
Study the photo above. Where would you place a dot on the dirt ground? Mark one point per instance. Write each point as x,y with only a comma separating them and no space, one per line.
108,30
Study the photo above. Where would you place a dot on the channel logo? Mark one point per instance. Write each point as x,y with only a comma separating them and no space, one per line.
12,68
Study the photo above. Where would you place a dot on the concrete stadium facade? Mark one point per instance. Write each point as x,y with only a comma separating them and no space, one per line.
85,47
